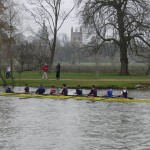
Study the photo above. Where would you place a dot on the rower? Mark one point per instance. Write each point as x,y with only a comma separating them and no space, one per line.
53,90
93,91
78,90
64,90
109,93
124,93
26,89
40,90
8,90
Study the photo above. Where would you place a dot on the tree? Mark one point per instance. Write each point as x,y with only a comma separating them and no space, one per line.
21,53
124,22
64,49
40,52
3,39
2,33
49,14
11,17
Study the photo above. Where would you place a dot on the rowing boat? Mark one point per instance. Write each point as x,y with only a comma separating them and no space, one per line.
88,98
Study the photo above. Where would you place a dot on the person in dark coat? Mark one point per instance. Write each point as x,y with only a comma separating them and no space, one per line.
124,93
78,90
40,90
64,90
26,89
8,90
93,91
58,67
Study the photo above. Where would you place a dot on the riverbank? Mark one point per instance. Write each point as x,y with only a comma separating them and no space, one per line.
86,83
85,80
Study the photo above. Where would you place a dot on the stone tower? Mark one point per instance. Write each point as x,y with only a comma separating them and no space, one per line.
76,36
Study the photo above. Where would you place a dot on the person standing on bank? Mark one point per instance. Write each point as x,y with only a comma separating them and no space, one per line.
8,72
58,71
45,70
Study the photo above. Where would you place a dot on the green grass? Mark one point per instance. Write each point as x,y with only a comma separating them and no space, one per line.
73,83
83,79
38,75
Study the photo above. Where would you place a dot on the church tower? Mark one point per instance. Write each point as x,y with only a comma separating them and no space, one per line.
76,36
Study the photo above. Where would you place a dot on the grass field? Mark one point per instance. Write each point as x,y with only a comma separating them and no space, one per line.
38,75
83,79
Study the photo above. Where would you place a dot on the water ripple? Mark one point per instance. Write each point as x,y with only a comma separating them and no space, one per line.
35,124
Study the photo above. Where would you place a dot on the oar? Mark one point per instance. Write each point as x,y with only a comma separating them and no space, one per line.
69,96
91,101
118,96
102,98
130,97
28,94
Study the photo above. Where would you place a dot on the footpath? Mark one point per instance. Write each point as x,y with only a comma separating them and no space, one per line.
109,79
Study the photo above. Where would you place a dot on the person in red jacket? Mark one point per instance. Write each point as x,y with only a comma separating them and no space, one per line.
45,69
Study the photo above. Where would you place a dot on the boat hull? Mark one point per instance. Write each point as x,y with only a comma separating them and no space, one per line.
87,98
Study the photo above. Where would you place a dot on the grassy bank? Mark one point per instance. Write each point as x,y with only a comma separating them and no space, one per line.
83,79
38,75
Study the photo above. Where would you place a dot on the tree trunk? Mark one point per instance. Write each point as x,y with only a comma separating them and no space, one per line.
147,72
124,61
51,59
11,61
123,43
3,79
53,48
22,67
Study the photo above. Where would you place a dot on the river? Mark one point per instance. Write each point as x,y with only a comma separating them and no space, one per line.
46,124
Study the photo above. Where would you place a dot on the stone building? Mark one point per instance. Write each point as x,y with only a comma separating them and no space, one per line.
76,36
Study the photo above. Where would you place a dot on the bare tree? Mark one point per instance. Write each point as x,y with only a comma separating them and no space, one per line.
21,53
49,13
11,17
64,50
40,52
125,22
148,70
3,36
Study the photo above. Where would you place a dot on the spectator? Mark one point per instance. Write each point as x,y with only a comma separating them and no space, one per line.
8,72
45,69
58,71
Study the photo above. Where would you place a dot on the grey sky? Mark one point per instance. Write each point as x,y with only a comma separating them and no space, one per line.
72,21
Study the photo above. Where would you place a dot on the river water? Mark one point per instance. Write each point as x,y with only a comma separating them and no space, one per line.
47,124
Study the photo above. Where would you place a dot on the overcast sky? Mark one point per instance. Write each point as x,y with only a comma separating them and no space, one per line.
72,21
